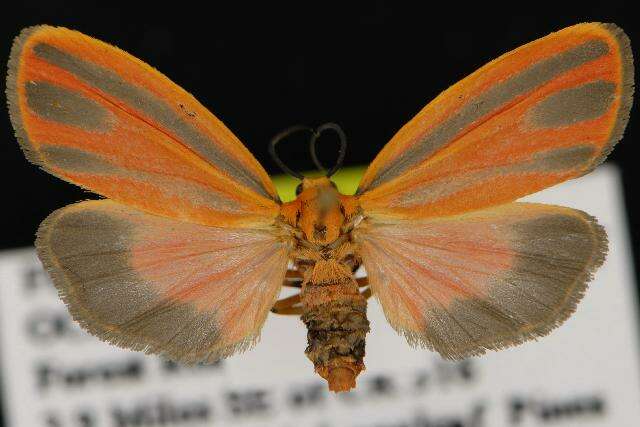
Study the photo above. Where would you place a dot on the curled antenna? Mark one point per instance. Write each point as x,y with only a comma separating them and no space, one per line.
279,137
343,147
315,134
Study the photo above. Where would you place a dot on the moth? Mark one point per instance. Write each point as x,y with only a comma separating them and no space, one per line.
188,251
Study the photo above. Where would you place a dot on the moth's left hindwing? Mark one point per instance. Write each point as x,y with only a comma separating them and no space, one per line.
184,260
193,293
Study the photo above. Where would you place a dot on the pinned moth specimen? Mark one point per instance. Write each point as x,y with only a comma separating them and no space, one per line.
188,251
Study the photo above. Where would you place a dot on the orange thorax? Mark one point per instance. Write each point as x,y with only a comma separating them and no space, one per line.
319,212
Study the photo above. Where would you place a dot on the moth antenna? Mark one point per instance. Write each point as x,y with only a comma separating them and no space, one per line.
315,134
279,137
341,153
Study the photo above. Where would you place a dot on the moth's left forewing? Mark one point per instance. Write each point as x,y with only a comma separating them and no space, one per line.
484,280
96,116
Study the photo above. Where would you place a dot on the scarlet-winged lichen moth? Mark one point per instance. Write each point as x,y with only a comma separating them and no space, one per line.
187,254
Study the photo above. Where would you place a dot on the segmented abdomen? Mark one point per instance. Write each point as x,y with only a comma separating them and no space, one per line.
336,318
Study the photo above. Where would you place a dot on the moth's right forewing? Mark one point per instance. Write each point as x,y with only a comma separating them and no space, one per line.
546,112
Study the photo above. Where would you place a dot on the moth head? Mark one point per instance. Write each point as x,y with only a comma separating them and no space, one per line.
315,186
319,210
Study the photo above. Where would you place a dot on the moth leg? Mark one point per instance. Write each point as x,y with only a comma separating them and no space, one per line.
294,274
292,283
362,282
289,305
291,311
293,279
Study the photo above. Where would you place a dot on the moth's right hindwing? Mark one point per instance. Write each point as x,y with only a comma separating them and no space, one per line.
483,280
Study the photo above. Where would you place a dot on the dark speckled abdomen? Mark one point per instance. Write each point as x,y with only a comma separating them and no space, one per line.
336,318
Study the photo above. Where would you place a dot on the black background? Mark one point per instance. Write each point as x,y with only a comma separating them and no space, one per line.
369,66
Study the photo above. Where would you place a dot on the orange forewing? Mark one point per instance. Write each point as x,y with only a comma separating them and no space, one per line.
482,280
548,111
191,292
96,116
